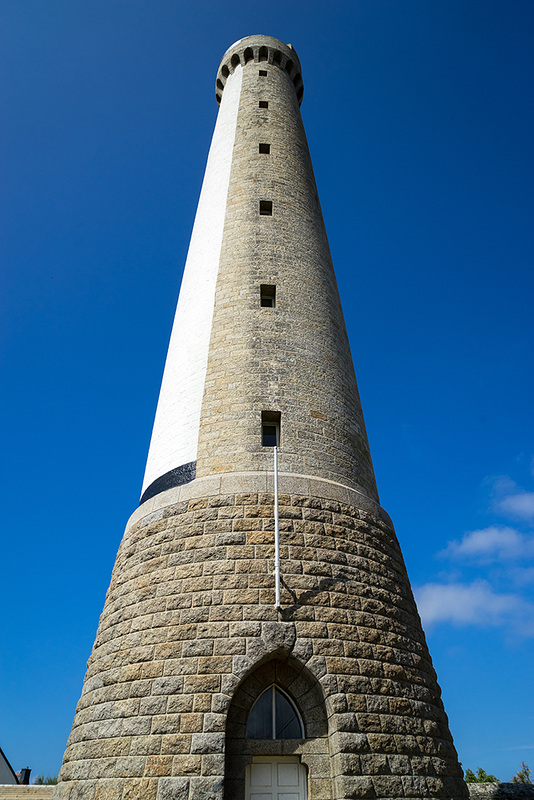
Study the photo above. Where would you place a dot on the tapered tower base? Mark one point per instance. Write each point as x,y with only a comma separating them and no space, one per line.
189,639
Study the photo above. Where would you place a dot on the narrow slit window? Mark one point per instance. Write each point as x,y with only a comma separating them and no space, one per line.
267,295
270,428
265,148
263,73
263,104
266,208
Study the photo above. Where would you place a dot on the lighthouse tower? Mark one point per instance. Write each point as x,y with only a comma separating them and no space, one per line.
215,676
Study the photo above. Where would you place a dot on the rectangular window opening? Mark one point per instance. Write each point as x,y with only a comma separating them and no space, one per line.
270,428
265,148
263,104
267,295
263,73
266,208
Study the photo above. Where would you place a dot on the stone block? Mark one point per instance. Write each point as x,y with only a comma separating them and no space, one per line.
166,685
172,789
388,786
206,788
156,766
140,689
213,765
165,723
354,788
202,703
179,703
214,723
142,745
197,503
128,767
207,743
186,764
109,789
191,723
196,684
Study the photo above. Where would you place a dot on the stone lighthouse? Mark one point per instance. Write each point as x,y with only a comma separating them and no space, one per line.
209,679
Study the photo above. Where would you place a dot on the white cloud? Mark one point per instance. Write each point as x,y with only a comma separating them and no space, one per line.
502,484
474,604
509,549
511,500
519,505
521,747
494,542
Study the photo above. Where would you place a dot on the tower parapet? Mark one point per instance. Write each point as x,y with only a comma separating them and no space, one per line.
260,50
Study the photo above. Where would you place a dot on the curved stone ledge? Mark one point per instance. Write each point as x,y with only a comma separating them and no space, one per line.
25,792
260,50
254,482
500,791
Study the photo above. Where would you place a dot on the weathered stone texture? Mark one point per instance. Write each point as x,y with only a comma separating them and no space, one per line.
294,358
187,619
501,791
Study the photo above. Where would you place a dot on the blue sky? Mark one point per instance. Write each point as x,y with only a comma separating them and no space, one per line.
420,122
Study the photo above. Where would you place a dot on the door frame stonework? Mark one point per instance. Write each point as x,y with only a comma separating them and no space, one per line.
313,751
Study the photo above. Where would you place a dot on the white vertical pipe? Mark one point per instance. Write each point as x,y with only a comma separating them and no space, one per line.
276,533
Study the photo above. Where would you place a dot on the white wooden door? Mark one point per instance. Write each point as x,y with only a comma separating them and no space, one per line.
276,778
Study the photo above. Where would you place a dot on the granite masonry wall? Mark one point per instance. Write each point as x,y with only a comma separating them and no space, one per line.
501,791
293,358
189,636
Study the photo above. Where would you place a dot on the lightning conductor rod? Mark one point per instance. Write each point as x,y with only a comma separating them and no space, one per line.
276,533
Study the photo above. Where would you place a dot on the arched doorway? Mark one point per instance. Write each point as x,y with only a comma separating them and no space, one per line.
277,735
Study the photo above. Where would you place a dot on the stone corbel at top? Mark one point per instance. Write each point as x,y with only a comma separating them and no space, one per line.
260,50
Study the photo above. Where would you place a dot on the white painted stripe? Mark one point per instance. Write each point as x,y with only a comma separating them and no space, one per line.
175,434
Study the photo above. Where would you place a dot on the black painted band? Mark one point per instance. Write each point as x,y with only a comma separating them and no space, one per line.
175,477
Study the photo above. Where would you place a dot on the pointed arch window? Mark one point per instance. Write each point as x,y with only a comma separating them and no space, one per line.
274,716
